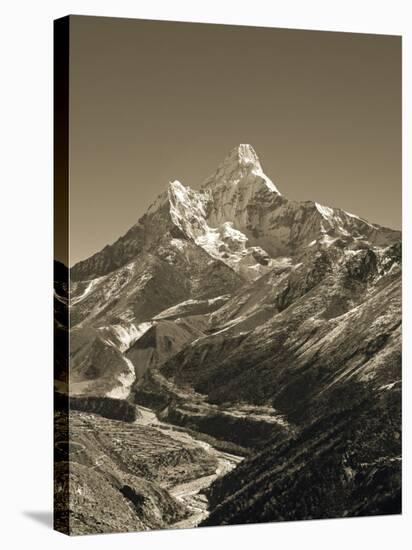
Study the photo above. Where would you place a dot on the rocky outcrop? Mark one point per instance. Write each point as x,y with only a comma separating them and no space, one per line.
117,409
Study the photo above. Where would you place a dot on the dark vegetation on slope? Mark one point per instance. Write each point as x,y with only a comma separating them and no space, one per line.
304,347
346,462
245,432
233,430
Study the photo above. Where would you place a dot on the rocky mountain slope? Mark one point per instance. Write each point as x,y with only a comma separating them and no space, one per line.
120,475
268,324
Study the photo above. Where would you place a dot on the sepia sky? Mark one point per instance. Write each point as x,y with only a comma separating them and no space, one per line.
156,101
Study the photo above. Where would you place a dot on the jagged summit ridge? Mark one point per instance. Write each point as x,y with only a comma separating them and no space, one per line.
245,155
239,218
241,167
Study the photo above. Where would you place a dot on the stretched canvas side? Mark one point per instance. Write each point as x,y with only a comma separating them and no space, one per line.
61,275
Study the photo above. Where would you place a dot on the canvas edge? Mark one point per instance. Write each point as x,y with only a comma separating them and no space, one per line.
61,63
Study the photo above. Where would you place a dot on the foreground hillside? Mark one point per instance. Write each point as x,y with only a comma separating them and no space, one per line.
345,462
122,475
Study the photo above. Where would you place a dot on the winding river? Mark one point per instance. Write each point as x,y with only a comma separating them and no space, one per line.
190,492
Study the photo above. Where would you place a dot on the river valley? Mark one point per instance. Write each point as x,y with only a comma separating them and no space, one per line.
135,475
190,493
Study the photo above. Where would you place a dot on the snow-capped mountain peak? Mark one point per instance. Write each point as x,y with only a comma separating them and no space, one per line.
244,155
239,218
241,167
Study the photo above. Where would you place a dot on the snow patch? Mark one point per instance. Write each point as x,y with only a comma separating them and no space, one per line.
178,243
268,182
390,386
229,232
325,211
328,240
352,215
125,380
85,292
123,336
